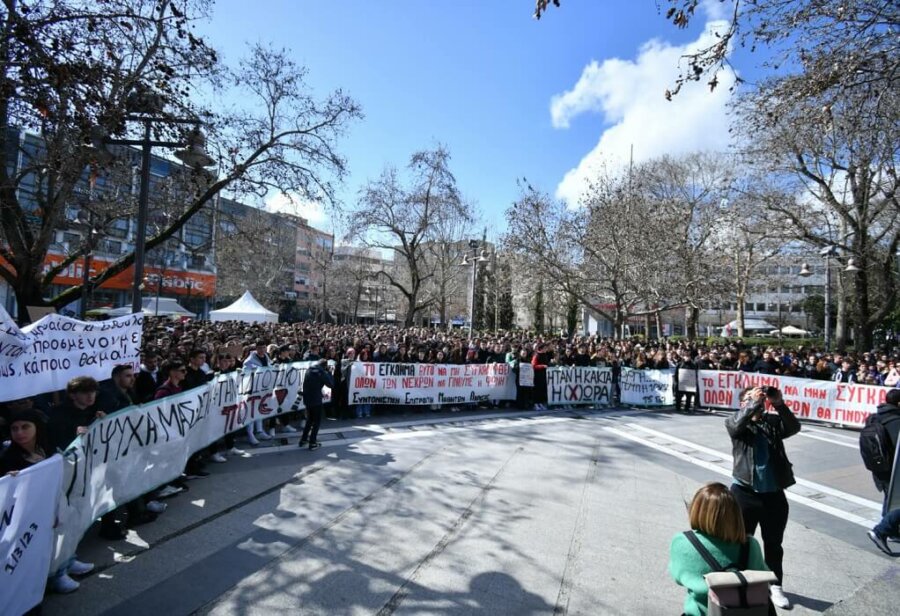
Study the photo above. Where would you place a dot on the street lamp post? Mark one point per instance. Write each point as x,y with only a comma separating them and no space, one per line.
828,252
474,261
193,156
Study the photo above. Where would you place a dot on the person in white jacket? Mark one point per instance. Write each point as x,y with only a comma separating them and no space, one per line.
255,360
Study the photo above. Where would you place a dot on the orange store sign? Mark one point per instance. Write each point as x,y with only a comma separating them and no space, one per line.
178,282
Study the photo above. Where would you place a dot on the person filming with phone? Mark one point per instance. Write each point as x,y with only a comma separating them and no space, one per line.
762,472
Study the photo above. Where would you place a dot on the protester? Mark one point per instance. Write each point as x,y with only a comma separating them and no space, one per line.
888,415
257,358
317,377
686,382
762,472
716,520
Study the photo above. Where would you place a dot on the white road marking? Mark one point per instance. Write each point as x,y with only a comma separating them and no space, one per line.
833,434
850,498
829,440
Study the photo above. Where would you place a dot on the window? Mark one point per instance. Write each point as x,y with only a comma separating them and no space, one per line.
110,247
196,261
118,228
785,289
197,230
760,307
748,307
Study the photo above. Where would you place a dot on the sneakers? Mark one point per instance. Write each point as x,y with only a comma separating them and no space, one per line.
880,542
252,440
79,568
304,443
264,436
155,506
234,451
218,458
289,429
313,446
63,584
778,598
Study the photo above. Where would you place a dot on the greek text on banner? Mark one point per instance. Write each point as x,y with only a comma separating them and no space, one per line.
847,404
579,385
388,383
57,349
28,504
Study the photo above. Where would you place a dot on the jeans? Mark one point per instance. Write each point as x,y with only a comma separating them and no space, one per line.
889,525
313,421
769,511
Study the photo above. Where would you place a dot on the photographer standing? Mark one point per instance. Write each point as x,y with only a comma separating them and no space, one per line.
762,472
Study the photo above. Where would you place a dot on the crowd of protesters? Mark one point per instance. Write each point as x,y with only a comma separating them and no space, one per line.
177,356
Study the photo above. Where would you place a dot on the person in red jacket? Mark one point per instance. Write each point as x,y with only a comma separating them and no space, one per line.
539,361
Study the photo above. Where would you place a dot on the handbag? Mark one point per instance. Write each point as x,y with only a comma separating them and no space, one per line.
735,590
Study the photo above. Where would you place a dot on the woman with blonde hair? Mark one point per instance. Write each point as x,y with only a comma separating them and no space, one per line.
717,522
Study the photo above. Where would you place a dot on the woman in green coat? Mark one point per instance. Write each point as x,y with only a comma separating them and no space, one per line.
716,520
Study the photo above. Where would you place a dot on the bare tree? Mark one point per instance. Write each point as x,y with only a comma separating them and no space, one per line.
404,218
840,163
71,70
841,45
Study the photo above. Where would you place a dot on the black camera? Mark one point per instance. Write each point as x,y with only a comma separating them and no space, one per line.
772,392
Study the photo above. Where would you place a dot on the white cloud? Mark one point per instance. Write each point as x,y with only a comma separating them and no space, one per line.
629,96
312,211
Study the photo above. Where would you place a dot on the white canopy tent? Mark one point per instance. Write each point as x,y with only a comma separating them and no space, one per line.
245,309
789,330
750,325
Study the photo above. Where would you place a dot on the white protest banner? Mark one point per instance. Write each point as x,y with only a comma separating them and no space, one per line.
646,387
526,375
133,451
45,355
579,385
840,403
687,380
388,383
27,507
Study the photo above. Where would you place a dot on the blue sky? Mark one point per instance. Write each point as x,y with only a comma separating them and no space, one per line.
510,96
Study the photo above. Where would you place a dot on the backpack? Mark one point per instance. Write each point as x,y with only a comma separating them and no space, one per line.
733,589
875,446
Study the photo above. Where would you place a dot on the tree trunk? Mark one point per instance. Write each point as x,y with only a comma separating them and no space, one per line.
740,316
646,327
659,324
865,329
693,315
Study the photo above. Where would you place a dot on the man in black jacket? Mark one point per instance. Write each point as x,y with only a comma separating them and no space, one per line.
888,415
316,378
686,382
762,472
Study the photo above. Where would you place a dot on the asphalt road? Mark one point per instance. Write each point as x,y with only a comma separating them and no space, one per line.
566,512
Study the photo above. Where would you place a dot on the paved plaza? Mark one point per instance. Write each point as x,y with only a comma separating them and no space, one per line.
565,512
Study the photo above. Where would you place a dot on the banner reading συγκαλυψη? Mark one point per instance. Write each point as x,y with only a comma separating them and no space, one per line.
646,387
579,385
413,384
45,355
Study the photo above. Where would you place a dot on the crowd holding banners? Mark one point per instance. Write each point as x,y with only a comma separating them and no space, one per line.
526,367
